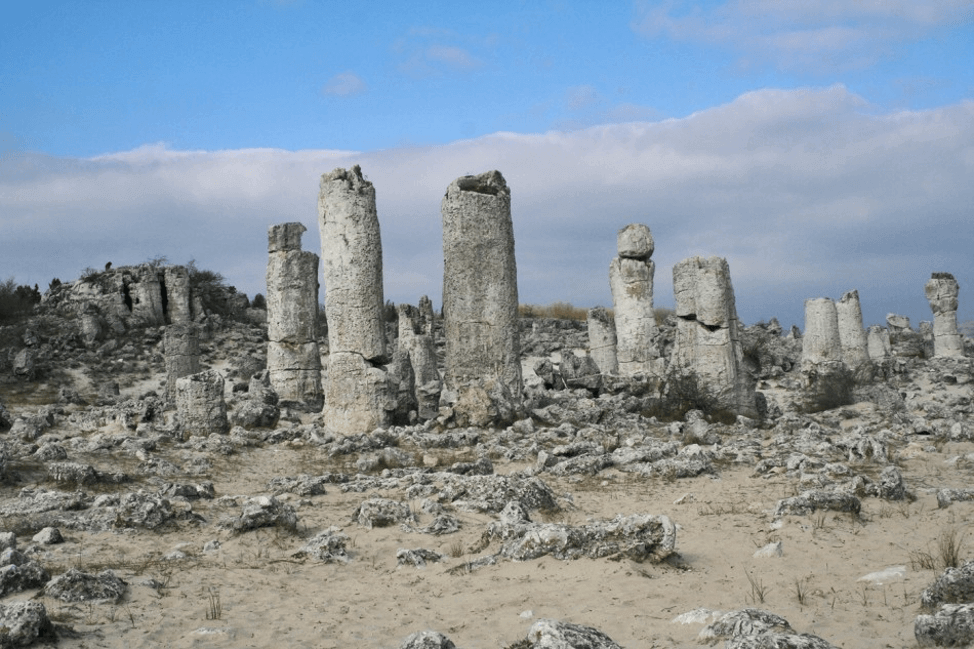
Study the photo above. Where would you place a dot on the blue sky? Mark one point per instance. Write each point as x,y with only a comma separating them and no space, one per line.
820,146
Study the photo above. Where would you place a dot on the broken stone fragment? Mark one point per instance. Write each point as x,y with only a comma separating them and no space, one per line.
951,626
77,586
555,634
427,640
953,586
23,623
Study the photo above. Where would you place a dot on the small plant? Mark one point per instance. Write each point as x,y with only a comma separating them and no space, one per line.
949,547
801,590
214,608
456,549
758,589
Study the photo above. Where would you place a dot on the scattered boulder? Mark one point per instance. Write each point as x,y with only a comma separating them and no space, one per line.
77,586
427,640
327,546
953,586
554,634
951,626
264,511
22,623
382,512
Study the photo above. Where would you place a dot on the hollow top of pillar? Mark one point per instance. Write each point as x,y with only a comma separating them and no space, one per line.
285,236
350,180
489,182
850,296
635,241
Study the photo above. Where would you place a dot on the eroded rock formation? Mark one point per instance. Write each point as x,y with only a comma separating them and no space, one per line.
181,344
293,359
200,405
631,282
941,292
852,336
483,382
358,393
602,340
416,338
821,342
708,333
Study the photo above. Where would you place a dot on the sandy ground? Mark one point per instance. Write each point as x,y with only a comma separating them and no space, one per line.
261,596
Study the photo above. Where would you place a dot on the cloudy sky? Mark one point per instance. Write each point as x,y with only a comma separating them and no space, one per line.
819,145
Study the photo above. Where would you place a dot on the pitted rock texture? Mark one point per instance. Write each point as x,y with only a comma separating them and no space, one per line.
631,283
602,340
480,297
181,343
200,406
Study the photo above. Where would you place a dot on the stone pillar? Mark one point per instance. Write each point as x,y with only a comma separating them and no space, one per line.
941,291
200,406
176,281
480,301
821,342
358,394
146,295
631,282
708,333
877,342
852,336
416,338
602,340
181,347
293,360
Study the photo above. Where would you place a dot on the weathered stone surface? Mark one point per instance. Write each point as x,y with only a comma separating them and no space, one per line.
427,640
708,333
852,337
327,546
359,397
178,294
21,623
418,557
293,359
821,342
200,406
416,337
18,573
77,586
480,292
382,512
48,536
877,343
951,626
631,282
351,254
953,586
142,509
181,344
755,629
146,296
401,374
554,634
264,511
602,340
941,291
815,499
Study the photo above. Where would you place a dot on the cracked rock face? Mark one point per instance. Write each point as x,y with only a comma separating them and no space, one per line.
708,332
480,288
941,292
631,282
358,396
293,360
182,354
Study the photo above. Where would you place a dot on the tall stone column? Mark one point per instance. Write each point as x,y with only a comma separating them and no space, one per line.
602,340
293,359
483,367
146,296
181,348
821,342
416,338
359,396
708,333
176,281
631,282
877,341
941,291
852,336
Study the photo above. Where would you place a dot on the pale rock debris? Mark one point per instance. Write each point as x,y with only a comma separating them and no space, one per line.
941,291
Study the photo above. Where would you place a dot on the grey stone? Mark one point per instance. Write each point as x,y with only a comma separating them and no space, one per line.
708,341
951,626
418,557
327,546
953,586
293,359
427,640
416,337
77,586
815,499
554,634
877,342
200,405
23,623
480,301
602,343
265,511
852,337
631,283
382,512
821,342
941,291
178,294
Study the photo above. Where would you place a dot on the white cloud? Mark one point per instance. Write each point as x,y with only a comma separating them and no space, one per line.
456,57
804,191
345,84
804,34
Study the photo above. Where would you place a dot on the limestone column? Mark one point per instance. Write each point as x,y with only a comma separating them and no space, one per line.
293,360
181,348
631,282
941,291
877,341
602,340
821,342
708,333
358,393
416,338
200,406
852,336
146,295
480,300
176,282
